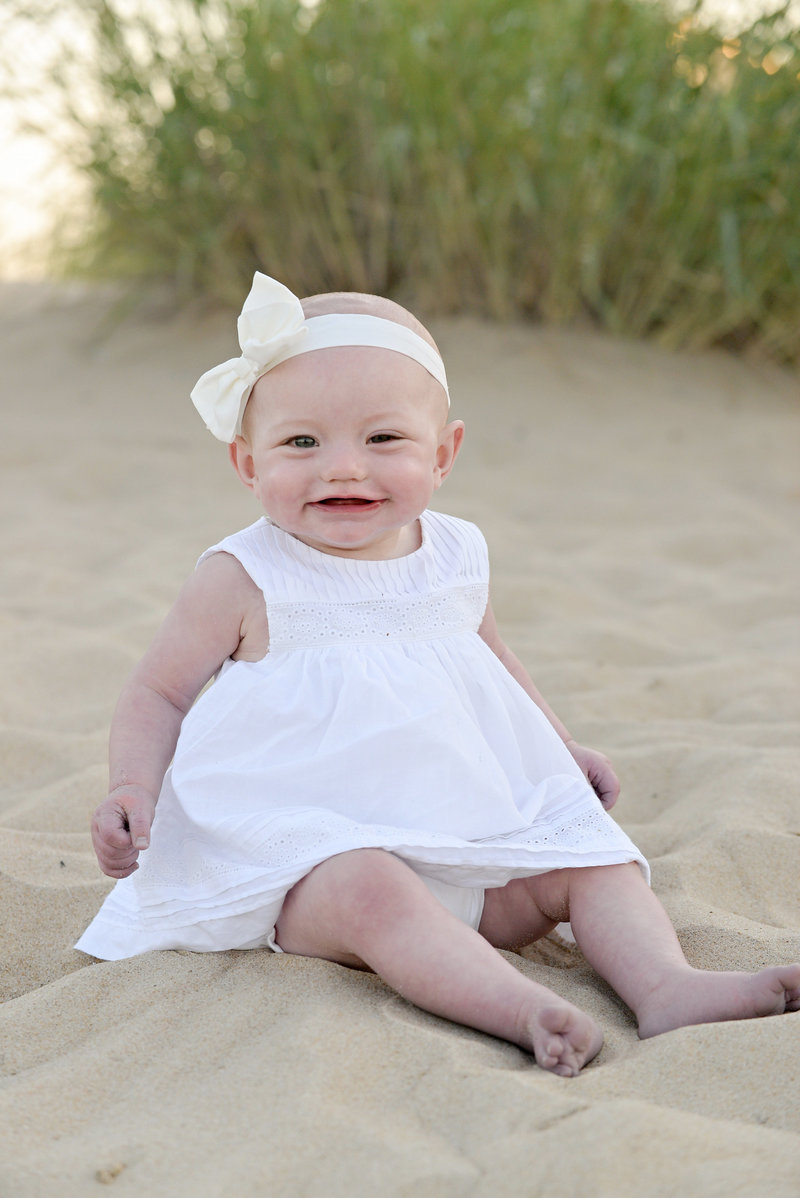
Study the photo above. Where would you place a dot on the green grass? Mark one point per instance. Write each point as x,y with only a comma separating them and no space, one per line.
551,159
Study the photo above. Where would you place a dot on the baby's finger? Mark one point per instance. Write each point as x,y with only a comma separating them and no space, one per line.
609,796
110,829
138,828
115,857
116,870
606,787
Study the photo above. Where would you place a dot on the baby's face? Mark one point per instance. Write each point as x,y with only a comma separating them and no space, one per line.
344,448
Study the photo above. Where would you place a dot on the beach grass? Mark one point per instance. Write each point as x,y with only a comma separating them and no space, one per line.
549,159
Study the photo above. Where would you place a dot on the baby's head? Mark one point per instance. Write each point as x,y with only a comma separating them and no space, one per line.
336,416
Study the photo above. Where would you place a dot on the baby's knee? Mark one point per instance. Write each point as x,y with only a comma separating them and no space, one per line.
361,879
357,881
326,913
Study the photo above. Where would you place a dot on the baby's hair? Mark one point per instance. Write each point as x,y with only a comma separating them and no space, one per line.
344,302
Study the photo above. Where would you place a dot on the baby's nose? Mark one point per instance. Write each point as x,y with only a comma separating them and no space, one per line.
343,463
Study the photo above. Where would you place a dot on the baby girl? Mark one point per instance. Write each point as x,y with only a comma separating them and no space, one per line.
373,777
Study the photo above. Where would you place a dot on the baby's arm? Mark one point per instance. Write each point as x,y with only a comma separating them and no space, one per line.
219,613
596,767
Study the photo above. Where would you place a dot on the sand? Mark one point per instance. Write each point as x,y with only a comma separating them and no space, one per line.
641,509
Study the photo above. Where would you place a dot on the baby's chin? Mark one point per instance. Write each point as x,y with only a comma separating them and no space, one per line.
382,546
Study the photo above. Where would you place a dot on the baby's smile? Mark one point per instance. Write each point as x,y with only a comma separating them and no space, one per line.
346,501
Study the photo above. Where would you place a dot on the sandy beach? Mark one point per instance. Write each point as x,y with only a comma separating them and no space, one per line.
641,509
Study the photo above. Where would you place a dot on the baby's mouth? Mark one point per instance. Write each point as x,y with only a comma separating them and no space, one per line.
347,501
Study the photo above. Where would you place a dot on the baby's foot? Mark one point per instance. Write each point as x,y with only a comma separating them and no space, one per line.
704,997
563,1038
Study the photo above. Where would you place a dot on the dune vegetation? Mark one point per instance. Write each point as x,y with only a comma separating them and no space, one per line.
563,160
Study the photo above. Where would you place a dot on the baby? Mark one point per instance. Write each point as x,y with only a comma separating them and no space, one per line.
372,778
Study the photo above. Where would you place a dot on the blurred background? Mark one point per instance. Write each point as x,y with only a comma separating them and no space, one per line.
630,164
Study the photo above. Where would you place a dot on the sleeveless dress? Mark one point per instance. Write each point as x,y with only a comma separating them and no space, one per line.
378,718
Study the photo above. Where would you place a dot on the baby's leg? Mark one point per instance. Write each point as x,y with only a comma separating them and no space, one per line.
368,907
627,937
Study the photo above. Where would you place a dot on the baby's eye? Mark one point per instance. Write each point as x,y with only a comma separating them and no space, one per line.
379,438
302,442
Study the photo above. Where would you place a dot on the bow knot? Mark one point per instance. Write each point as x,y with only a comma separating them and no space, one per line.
270,327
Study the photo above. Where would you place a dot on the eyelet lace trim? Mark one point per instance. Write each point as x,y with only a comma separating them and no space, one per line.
303,625
277,847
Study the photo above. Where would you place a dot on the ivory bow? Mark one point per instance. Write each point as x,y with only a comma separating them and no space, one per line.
270,327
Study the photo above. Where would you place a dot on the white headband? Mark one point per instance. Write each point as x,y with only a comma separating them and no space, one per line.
272,328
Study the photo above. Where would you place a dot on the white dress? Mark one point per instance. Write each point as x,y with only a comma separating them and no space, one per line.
378,718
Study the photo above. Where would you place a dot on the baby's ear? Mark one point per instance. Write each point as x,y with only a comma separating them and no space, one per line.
449,444
241,457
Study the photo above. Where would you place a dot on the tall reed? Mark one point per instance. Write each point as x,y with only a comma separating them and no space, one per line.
543,158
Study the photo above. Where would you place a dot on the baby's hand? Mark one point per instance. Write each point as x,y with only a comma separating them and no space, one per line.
598,771
121,829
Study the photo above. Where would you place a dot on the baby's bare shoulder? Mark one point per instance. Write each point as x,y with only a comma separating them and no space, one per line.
229,592
222,577
213,606
207,624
